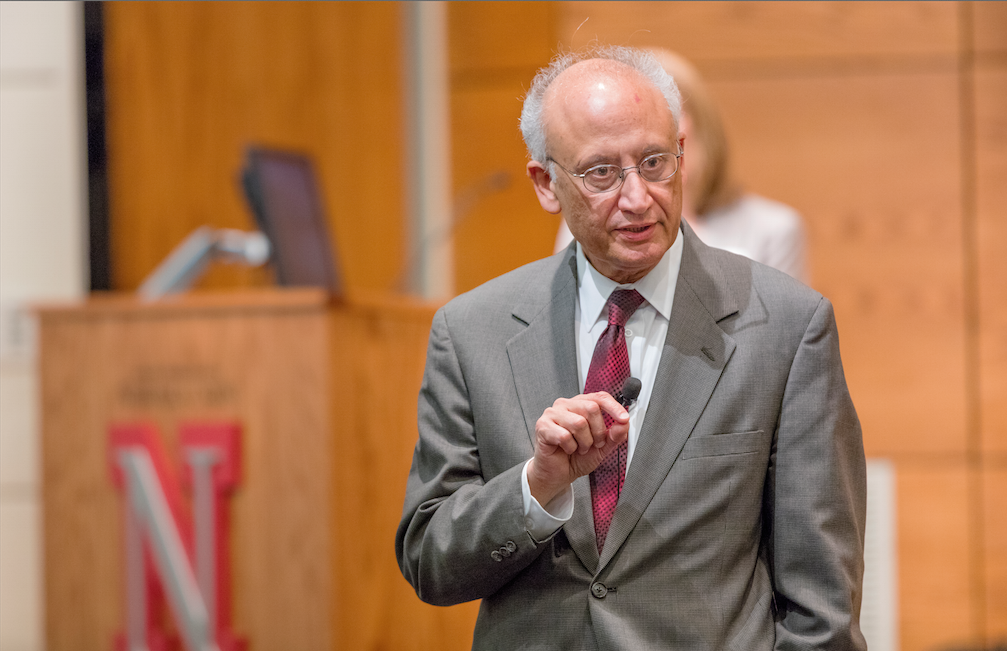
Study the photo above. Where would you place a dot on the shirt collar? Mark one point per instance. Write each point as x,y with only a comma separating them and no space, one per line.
657,287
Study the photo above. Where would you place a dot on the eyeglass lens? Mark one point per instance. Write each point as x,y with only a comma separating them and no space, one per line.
659,167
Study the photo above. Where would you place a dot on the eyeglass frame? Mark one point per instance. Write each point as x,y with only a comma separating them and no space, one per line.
623,171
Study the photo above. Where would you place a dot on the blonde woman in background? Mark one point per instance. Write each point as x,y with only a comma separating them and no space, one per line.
714,204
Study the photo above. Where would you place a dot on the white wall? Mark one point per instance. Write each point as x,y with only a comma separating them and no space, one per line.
879,612
43,240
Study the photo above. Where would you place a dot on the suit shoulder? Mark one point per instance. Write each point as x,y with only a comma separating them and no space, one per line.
774,281
753,287
735,267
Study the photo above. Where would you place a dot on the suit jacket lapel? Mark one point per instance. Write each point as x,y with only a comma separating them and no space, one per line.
696,351
543,356
543,359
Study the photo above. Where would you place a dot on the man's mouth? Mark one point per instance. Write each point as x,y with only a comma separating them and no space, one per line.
633,232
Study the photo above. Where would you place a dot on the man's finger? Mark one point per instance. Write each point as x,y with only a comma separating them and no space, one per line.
582,418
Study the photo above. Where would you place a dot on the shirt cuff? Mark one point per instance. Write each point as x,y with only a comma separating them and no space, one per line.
542,522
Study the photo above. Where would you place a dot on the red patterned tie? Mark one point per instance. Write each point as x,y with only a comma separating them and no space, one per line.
609,369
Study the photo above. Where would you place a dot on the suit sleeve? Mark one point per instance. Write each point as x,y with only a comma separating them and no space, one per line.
460,537
816,499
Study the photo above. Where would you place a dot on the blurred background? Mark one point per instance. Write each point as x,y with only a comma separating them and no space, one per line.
124,126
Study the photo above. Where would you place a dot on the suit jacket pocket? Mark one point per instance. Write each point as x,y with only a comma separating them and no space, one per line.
713,445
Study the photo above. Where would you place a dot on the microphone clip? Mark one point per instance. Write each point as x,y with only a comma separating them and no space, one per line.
628,394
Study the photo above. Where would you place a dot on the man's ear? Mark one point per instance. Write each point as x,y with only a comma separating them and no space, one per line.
542,183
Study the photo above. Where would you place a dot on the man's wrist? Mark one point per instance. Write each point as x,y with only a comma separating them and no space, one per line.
542,491
543,520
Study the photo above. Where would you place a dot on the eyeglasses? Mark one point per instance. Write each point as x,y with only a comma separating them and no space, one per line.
606,178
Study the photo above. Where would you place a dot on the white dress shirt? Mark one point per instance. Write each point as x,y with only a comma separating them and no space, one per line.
646,331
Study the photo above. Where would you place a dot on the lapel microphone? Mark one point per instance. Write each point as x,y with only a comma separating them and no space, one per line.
630,390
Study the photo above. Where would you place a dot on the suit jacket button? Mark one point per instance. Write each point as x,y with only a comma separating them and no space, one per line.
504,552
511,546
497,556
599,590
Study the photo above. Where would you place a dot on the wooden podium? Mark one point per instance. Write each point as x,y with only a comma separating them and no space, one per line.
326,399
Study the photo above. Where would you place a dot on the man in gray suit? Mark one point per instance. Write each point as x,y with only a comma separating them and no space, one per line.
737,479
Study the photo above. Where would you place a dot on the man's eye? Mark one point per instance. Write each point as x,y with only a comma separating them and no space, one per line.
602,172
653,163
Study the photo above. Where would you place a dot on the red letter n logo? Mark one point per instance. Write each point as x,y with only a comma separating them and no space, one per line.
175,554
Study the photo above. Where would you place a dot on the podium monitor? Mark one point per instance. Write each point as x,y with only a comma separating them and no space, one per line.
282,191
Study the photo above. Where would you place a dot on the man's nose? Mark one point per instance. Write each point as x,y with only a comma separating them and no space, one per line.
634,195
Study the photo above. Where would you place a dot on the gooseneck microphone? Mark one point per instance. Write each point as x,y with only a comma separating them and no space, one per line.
629,393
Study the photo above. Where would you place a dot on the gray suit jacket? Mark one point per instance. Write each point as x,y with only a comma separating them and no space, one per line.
741,522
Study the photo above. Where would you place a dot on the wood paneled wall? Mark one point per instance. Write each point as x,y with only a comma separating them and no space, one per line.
985,174
190,84
495,50
885,124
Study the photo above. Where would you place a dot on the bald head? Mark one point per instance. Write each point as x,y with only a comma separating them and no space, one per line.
595,95
608,63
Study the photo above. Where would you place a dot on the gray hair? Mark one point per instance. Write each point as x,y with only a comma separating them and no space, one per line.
641,61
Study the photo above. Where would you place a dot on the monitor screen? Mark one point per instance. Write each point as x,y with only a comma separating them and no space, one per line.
281,189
